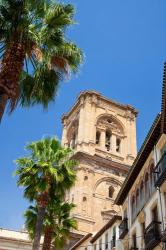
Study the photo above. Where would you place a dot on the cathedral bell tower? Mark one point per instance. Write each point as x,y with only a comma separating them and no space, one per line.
102,134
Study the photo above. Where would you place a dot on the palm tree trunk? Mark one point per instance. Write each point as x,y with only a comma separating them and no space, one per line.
47,238
11,68
42,204
3,102
38,228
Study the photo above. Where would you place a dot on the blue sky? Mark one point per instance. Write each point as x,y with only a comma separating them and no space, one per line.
125,47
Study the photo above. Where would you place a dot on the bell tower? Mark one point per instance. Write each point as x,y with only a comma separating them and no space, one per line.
102,133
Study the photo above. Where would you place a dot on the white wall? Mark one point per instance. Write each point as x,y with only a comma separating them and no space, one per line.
110,235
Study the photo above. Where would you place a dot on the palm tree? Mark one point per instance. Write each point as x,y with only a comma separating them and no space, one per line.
57,223
34,50
47,169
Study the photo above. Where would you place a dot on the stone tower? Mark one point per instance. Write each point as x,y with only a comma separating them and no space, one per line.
102,133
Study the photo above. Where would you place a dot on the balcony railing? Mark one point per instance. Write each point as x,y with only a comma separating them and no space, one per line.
163,236
152,235
123,228
160,171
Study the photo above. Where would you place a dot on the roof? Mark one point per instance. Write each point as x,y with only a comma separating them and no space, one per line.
158,127
105,227
87,236
163,103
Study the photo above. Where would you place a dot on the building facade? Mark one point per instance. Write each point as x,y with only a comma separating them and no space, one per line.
15,240
107,238
143,194
102,134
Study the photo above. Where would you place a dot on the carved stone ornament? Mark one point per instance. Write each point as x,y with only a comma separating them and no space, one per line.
108,122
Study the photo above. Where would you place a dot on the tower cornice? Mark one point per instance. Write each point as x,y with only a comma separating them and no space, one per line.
95,97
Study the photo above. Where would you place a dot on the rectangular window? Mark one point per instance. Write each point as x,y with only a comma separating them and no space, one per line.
143,228
125,214
100,244
114,236
134,239
165,201
143,232
155,214
106,241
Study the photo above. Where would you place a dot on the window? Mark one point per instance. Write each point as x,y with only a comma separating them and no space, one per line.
152,178
125,214
97,137
142,193
73,141
147,193
84,204
155,218
134,240
85,178
137,199
133,207
84,199
118,144
106,241
155,214
108,140
114,236
100,244
110,192
163,150
165,199
143,229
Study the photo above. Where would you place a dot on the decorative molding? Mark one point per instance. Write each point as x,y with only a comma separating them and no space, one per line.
109,154
84,218
95,161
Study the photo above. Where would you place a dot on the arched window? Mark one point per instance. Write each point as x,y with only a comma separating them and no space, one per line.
110,192
118,144
133,207
72,134
152,177
142,193
84,204
108,140
147,186
97,137
137,200
73,141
